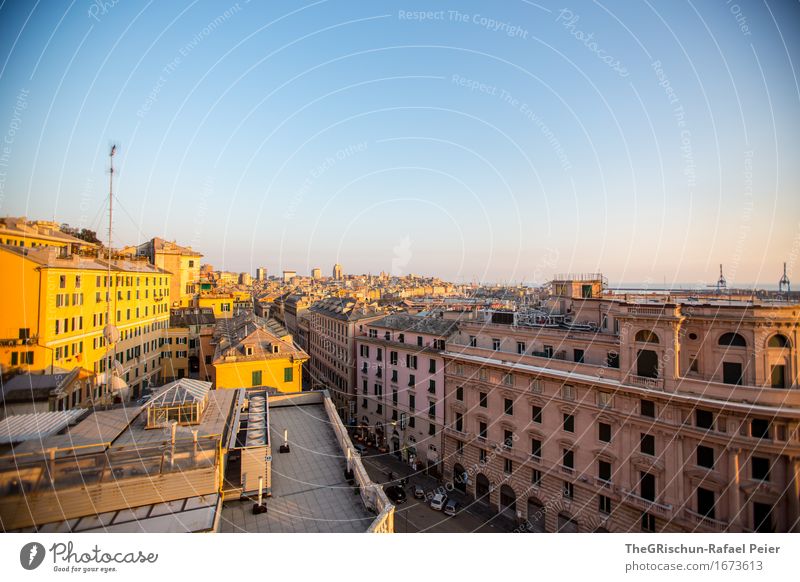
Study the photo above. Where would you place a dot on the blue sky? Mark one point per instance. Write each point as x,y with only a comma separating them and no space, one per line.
480,141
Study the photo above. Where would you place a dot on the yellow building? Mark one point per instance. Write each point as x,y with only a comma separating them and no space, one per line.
182,262
187,351
225,305
20,232
253,352
55,307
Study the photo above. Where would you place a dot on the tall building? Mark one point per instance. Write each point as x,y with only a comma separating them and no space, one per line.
401,386
261,274
252,352
288,276
182,262
337,272
332,327
187,350
316,273
628,413
245,279
55,308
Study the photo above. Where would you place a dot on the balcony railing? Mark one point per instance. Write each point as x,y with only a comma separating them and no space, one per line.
645,382
704,521
660,509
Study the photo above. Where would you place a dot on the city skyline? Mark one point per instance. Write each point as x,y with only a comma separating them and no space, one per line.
495,144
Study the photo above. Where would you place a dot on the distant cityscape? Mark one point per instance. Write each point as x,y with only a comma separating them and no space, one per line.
145,390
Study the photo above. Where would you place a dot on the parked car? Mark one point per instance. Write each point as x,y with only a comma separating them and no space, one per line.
419,492
438,501
362,450
450,507
396,494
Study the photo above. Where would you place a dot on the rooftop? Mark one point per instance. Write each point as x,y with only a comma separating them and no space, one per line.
53,258
420,324
249,337
344,308
309,492
186,316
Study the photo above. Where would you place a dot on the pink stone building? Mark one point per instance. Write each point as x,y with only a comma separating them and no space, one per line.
598,412
400,386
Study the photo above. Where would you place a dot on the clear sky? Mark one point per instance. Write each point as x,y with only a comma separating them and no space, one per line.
496,141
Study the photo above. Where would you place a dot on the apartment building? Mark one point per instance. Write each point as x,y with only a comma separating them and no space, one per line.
56,307
187,351
254,352
21,232
182,262
605,413
401,386
330,327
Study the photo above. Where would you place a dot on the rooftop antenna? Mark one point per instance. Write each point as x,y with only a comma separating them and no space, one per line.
784,282
111,376
721,282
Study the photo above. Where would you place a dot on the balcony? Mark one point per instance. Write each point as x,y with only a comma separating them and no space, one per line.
706,523
659,509
644,382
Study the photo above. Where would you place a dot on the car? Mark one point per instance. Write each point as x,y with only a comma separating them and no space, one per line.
419,492
361,449
450,507
438,501
396,494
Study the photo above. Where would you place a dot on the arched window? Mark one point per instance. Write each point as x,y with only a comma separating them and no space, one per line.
778,341
647,336
731,339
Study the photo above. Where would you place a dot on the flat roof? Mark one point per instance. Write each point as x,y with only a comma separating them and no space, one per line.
36,425
309,492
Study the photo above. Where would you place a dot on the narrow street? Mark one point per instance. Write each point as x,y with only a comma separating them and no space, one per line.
416,515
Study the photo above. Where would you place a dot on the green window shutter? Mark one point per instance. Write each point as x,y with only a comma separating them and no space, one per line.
288,374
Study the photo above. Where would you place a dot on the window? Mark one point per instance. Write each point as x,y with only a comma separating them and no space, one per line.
431,429
419,340
364,351
432,367
520,347
604,504
536,448
648,444
460,393
412,403
778,376
411,362
380,354
508,466
647,408
568,459
401,338
536,477
438,344
648,522
460,447
703,419
482,429
612,360
508,379
288,374
731,339
646,336
432,409
762,517
604,432
459,422
569,423
647,486
483,400
732,373
432,386
509,406
393,358
568,392
705,457
778,341
24,333
256,378
568,490
412,380
548,351
536,414
578,356
394,375
62,282
412,422
473,341
508,439
394,397
759,467
705,502
604,471
481,456
364,386
759,428
495,344
605,399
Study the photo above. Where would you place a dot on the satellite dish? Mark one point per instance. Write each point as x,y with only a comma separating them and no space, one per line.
111,334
